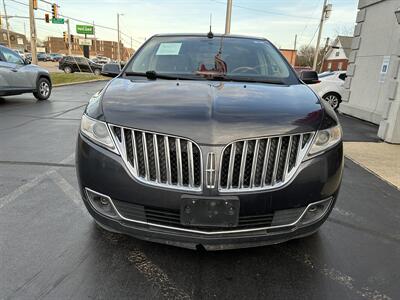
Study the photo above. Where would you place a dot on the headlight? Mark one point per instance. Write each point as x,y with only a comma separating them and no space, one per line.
98,132
325,139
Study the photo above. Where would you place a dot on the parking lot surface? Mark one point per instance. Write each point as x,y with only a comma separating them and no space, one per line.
51,249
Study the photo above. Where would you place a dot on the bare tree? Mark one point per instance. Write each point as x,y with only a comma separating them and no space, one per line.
305,56
344,29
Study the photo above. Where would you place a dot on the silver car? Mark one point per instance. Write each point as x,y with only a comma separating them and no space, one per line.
18,76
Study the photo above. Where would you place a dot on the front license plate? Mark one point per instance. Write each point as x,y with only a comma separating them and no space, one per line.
210,212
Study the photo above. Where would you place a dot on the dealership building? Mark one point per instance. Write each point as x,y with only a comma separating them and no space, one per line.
372,85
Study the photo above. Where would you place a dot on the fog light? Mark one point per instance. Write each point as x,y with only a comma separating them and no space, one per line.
101,203
315,211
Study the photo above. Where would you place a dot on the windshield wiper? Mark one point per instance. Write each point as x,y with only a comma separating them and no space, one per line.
153,75
222,77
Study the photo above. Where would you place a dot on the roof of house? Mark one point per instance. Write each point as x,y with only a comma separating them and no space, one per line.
345,41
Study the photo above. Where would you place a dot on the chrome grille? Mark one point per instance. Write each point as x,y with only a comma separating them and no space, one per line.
160,159
262,163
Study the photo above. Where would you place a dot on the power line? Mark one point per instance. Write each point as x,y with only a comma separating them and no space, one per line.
265,11
313,36
73,19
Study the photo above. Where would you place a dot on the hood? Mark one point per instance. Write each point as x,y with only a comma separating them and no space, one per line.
35,68
211,112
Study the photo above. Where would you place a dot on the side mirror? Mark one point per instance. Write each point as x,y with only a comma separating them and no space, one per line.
309,77
27,61
111,70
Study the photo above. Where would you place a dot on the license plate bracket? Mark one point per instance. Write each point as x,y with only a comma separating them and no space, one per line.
209,211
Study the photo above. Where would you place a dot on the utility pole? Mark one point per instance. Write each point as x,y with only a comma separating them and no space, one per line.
32,31
294,48
326,12
69,38
119,40
228,17
7,24
94,39
324,54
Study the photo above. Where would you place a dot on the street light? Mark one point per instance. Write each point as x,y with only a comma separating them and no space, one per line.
397,13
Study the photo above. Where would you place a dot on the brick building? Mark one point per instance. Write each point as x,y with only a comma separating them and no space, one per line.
18,41
290,55
337,57
98,48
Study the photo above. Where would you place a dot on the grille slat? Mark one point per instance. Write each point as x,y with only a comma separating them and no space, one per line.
157,158
231,163
190,163
277,155
160,159
167,160
179,160
243,164
262,163
145,154
254,165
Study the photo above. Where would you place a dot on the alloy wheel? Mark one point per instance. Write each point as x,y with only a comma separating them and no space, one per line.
44,89
332,100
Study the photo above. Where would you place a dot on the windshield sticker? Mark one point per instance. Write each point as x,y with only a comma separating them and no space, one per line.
169,49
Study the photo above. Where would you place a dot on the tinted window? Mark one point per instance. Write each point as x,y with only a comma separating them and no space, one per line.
342,76
234,57
12,57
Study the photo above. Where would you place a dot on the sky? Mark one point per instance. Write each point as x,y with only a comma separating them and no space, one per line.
277,20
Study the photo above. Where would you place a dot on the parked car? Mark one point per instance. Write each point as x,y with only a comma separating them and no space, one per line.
330,87
209,140
55,57
299,69
71,64
18,76
41,56
21,53
101,60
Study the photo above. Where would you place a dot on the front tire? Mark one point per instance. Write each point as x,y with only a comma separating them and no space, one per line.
97,72
333,99
43,89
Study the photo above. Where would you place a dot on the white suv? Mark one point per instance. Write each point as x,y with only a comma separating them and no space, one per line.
330,87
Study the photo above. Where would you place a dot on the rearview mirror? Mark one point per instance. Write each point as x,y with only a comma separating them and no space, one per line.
309,77
111,70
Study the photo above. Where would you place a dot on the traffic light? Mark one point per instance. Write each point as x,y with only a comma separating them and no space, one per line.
72,38
47,18
54,10
65,37
35,4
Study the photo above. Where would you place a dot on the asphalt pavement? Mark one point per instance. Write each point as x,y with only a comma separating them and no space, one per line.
51,249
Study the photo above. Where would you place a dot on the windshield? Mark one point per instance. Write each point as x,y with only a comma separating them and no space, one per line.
250,59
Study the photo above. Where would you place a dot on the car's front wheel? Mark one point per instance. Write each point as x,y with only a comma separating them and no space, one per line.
97,72
333,99
43,89
67,70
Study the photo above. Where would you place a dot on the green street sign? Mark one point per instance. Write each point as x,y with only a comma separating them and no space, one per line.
57,21
84,29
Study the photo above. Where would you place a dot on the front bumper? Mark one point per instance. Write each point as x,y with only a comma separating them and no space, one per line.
104,172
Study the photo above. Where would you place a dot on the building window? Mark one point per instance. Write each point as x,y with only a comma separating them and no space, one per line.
340,66
4,36
337,53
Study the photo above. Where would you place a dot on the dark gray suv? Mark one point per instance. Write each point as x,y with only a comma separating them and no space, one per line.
18,76
209,140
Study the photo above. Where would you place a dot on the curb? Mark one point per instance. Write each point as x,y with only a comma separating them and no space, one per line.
78,82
